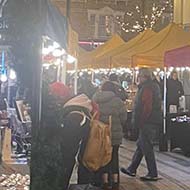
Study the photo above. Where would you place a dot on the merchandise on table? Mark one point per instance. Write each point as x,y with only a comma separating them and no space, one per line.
15,181
131,91
181,119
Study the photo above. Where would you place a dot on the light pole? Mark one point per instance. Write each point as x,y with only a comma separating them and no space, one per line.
64,58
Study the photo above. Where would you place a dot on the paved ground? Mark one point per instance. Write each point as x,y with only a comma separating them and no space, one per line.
174,171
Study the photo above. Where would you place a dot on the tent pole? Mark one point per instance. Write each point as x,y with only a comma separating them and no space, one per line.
63,69
182,7
165,91
59,71
163,142
75,76
92,76
134,74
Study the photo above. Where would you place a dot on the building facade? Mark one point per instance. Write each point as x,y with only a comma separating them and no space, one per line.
97,20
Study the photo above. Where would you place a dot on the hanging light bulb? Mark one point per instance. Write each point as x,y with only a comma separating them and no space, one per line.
56,45
57,62
70,59
12,74
57,53
45,51
3,77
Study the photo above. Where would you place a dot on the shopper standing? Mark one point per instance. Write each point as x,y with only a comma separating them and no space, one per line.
174,91
146,117
111,105
119,90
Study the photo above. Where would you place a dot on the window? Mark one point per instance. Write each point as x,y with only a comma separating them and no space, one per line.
105,25
92,19
102,20
124,2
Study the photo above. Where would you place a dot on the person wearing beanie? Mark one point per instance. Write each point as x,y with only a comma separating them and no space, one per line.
146,117
60,91
65,127
119,90
111,105
77,113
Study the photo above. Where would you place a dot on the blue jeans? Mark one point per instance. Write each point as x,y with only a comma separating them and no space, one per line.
145,148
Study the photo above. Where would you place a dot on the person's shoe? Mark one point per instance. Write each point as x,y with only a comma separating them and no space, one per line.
105,186
115,186
127,172
148,178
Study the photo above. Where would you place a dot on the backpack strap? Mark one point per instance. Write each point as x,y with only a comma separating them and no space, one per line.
110,121
85,117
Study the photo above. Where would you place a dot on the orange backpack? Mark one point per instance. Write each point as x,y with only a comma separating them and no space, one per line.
98,151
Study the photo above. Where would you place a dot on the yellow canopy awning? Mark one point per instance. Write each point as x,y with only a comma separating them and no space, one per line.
111,44
88,60
84,59
172,37
107,58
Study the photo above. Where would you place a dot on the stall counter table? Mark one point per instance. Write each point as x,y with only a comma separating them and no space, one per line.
180,136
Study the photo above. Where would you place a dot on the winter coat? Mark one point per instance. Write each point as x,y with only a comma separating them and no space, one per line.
55,148
111,105
174,91
155,113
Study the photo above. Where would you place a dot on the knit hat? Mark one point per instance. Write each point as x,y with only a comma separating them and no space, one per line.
114,77
108,86
80,100
145,72
60,90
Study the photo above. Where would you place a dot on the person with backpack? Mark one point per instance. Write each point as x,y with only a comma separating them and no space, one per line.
111,106
80,107
56,144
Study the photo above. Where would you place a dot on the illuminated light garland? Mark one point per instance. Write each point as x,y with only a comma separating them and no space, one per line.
152,19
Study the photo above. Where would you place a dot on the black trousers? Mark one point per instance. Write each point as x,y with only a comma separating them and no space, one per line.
88,177
113,166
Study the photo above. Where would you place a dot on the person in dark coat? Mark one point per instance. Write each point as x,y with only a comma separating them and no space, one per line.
174,90
57,142
111,105
146,117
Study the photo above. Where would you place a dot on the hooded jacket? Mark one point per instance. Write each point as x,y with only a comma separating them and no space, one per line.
111,105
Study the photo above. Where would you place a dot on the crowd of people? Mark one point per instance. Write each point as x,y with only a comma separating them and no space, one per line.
62,113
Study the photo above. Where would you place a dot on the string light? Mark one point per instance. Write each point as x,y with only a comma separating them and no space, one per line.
148,22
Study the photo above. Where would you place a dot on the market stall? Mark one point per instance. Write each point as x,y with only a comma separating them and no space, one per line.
179,123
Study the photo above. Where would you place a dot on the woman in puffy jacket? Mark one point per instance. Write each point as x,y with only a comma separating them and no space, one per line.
111,105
